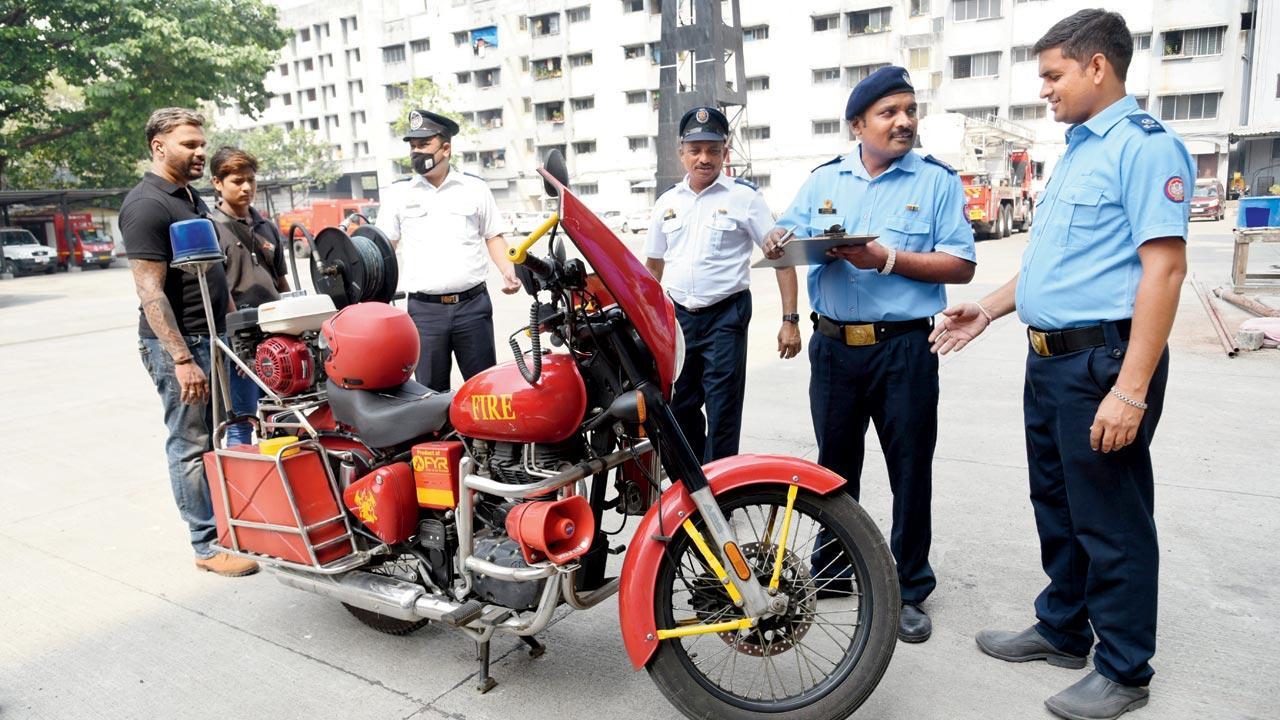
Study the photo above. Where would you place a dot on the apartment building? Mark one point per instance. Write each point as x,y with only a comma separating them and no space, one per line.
582,76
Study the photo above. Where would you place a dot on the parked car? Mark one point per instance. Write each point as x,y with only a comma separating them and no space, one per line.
1208,200
613,219
526,222
22,253
637,221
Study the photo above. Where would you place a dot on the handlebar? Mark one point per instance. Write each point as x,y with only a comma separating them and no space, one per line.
520,253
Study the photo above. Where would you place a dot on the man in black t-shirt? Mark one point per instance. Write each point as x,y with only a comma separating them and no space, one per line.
174,335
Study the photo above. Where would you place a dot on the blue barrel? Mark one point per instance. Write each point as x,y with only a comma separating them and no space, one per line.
194,240
1259,212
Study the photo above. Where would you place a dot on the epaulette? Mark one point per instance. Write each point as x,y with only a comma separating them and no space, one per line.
748,183
939,163
470,174
832,161
1146,122
664,192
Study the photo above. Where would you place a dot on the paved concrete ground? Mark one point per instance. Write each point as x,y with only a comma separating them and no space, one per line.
103,616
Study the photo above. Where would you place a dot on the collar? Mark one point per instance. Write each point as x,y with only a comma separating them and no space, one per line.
1102,123
164,185
722,180
852,163
421,181
243,221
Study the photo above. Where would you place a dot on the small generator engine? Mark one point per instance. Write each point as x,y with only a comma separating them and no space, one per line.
281,341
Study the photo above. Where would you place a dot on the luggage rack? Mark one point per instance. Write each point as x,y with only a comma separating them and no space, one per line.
354,559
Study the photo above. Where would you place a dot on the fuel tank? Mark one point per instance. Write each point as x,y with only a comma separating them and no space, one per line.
498,404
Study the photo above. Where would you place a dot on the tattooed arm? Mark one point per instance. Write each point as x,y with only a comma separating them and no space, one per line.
148,280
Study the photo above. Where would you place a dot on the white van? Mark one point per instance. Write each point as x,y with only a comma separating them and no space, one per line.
22,253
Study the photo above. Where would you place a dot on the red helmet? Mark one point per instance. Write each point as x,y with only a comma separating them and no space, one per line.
372,346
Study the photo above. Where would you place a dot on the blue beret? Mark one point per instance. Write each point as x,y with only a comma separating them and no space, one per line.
704,123
888,80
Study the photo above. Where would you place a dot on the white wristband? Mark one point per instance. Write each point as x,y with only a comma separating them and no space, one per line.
888,264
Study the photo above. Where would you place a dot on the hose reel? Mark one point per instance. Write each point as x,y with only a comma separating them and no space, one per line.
354,268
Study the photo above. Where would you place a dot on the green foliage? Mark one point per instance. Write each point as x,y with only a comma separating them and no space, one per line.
298,154
79,79
425,94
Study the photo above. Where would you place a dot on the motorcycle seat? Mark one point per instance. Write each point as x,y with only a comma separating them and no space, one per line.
384,418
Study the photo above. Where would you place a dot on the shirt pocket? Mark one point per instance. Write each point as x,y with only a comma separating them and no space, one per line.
907,233
463,221
721,233
671,226
1079,212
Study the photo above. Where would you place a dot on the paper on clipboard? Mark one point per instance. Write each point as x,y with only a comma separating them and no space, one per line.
812,250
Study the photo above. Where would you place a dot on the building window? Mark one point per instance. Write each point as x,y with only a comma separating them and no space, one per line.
288,126
631,52
975,9
1275,148
357,119
420,46
284,69
329,91
487,78
360,149
1198,106
312,123
638,142
308,65
288,99
395,92
492,159
544,25
586,188
353,56
869,21
826,127
1193,43
760,181
858,73
464,78
470,157
635,97
918,58
581,60
1021,54
489,119
758,133
1027,112
584,147
461,38
919,7
825,76
758,83
1141,41
311,94
630,6
757,32
578,14
583,103
549,111
547,68
977,113
655,53
975,66
304,35
823,23
1142,101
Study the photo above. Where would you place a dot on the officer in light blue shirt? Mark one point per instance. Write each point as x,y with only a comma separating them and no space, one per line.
1098,290
873,309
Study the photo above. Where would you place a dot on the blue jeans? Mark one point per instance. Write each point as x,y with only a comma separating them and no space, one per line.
190,436
244,401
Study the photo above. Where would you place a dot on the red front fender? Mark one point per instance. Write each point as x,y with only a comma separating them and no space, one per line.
640,570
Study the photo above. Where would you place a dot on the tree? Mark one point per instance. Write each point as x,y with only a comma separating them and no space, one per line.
79,79
425,94
281,156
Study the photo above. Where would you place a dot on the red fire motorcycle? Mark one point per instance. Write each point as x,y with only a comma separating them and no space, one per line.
750,586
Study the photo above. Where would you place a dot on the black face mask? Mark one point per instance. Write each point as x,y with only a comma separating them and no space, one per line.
423,162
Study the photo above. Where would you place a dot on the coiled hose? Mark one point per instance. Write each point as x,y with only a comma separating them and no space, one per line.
535,346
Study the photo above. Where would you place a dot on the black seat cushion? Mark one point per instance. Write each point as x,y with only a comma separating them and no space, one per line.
383,418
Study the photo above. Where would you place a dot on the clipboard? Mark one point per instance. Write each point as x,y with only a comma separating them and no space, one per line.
812,250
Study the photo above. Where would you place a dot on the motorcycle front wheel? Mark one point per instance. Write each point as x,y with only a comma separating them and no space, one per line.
818,661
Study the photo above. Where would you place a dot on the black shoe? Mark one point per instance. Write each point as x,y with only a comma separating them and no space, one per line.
914,626
1025,646
1096,698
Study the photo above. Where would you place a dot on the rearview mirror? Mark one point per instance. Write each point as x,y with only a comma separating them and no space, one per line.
556,167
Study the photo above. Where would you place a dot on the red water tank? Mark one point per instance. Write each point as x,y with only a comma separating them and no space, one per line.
372,346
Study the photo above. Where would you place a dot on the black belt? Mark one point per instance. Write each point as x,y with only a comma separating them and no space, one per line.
453,299
1047,343
718,305
860,334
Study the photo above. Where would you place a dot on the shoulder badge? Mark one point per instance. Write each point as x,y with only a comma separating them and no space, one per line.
1175,190
832,161
939,163
1146,122
748,183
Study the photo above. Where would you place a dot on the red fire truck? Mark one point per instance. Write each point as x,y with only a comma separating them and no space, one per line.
89,245
320,214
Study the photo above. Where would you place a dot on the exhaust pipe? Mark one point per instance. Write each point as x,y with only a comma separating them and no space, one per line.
375,593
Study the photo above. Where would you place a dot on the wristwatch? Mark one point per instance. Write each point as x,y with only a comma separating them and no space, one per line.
792,318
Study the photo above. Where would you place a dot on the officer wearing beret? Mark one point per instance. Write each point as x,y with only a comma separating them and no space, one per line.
873,307
1098,289
443,222
699,242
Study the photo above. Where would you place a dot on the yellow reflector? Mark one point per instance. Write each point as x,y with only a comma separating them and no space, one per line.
641,412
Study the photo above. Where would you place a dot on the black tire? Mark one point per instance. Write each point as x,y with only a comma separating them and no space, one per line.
1006,220
50,270
849,682
8,268
384,624
104,265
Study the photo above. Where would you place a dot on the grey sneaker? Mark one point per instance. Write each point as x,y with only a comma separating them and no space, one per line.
1025,646
1096,698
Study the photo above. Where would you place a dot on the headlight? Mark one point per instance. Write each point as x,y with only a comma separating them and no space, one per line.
679,348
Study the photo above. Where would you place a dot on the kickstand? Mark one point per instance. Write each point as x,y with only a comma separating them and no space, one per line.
486,682
536,649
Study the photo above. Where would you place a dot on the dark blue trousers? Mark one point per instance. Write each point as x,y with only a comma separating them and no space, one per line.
464,330
714,375
1094,513
893,384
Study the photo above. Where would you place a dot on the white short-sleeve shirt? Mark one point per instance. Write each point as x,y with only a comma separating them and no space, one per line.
704,239
441,231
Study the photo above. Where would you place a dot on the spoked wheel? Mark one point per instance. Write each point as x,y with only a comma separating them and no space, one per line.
817,661
404,567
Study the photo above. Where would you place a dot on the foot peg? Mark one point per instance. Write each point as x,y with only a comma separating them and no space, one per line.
465,614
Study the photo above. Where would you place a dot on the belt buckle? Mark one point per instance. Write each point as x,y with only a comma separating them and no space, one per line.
1039,342
449,299
859,335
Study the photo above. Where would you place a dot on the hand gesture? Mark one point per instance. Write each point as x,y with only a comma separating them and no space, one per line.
871,256
194,384
788,340
957,326
772,247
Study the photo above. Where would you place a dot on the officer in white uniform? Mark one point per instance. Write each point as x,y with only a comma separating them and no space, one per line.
699,244
443,222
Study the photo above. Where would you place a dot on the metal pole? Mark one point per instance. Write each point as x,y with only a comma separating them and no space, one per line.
217,370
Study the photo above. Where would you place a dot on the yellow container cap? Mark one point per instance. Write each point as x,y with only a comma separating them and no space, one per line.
272,446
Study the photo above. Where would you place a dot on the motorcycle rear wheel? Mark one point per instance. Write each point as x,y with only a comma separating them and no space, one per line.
401,568
817,662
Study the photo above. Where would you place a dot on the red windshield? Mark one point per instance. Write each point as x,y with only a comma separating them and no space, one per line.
633,287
